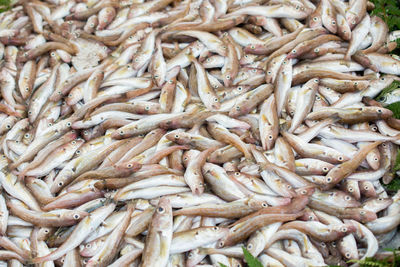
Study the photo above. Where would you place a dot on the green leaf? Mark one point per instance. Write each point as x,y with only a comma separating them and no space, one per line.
251,261
395,108
222,265
5,5
393,86
394,185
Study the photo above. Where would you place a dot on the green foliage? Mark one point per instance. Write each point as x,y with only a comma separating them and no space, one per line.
389,11
222,265
394,185
395,108
393,86
386,262
250,259
5,5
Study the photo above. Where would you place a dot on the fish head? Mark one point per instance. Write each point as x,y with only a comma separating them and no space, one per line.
254,48
331,24
352,19
75,215
162,218
344,31
315,20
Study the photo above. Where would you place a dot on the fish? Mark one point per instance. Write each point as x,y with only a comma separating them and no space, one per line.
174,133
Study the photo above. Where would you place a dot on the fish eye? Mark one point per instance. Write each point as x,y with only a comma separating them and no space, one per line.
340,158
76,216
215,99
215,228
88,245
129,165
239,88
294,51
69,124
228,77
315,18
347,255
237,108
160,210
49,124
366,187
303,192
270,137
316,50
328,179
156,76
27,89
26,135
382,79
344,229
73,142
311,218
121,132
264,204
347,198
289,186
52,54
78,152
333,22
30,112
208,59
351,189
250,246
379,110
221,244
362,212
60,184
269,72
325,169
322,244
252,47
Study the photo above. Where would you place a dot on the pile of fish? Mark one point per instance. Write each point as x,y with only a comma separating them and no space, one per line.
174,133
